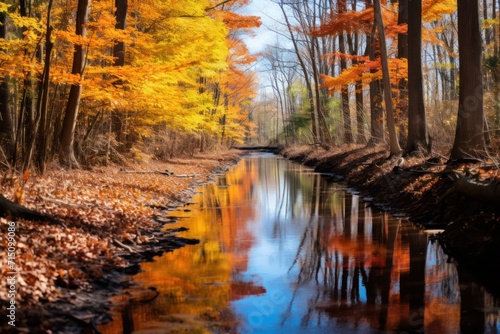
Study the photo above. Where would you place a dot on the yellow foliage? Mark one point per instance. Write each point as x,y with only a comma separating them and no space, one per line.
435,9
178,56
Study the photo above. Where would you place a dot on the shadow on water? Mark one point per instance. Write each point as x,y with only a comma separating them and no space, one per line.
284,251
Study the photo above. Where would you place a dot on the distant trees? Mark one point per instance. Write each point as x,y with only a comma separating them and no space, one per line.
422,76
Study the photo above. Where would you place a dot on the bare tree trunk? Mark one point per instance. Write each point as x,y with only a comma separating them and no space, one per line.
376,112
6,125
119,55
469,138
393,139
353,43
67,156
310,94
346,110
402,104
44,96
418,137
325,135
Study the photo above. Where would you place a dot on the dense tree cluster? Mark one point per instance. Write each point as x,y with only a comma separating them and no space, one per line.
330,75
86,81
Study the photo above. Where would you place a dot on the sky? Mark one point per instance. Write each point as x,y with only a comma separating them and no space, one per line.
271,18
269,13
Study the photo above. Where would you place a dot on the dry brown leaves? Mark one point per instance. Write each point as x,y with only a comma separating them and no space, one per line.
96,206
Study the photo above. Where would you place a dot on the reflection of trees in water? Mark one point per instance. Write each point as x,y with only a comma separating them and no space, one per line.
348,253
366,269
370,269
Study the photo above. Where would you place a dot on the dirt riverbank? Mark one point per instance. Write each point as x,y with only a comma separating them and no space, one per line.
417,187
109,219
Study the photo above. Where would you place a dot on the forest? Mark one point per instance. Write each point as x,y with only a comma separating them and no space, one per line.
329,88
85,82
112,113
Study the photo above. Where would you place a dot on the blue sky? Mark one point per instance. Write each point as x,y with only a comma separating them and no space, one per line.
269,12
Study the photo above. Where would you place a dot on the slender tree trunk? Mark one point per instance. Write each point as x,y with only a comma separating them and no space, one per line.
360,113
310,94
402,101
67,156
44,96
376,111
417,126
29,103
495,28
322,124
346,110
119,56
6,125
393,139
353,42
469,138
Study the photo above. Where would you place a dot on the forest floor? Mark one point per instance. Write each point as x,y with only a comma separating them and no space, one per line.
417,188
107,220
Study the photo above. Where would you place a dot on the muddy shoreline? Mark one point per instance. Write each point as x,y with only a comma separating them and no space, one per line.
83,303
414,188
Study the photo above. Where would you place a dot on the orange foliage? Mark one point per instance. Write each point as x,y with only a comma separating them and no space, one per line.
360,22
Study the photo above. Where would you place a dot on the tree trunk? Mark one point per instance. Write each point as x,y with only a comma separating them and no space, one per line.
402,101
6,125
67,156
119,60
353,42
324,132
14,211
346,110
44,97
417,126
376,112
469,137
393,139
310,94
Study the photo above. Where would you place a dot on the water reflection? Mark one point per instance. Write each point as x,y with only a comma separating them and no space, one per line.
284,251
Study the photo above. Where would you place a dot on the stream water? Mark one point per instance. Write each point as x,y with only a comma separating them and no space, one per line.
283,250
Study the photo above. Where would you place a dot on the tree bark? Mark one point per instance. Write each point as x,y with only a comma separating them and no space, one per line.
469,137
16,211
417,126
6,125
346,110
393,139
67,156
376,112
402,101
310,94
119,60
44,96
353,43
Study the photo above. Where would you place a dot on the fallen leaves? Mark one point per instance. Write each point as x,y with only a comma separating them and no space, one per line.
97,207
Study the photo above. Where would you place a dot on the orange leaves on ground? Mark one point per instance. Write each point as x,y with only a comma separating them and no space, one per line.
96,206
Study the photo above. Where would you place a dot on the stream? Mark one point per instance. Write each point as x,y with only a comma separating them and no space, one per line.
285,250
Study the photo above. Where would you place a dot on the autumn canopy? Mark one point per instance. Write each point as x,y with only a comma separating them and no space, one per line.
94,79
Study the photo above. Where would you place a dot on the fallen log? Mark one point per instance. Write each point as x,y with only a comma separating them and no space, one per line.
14,211
471,187
122,245
162,172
